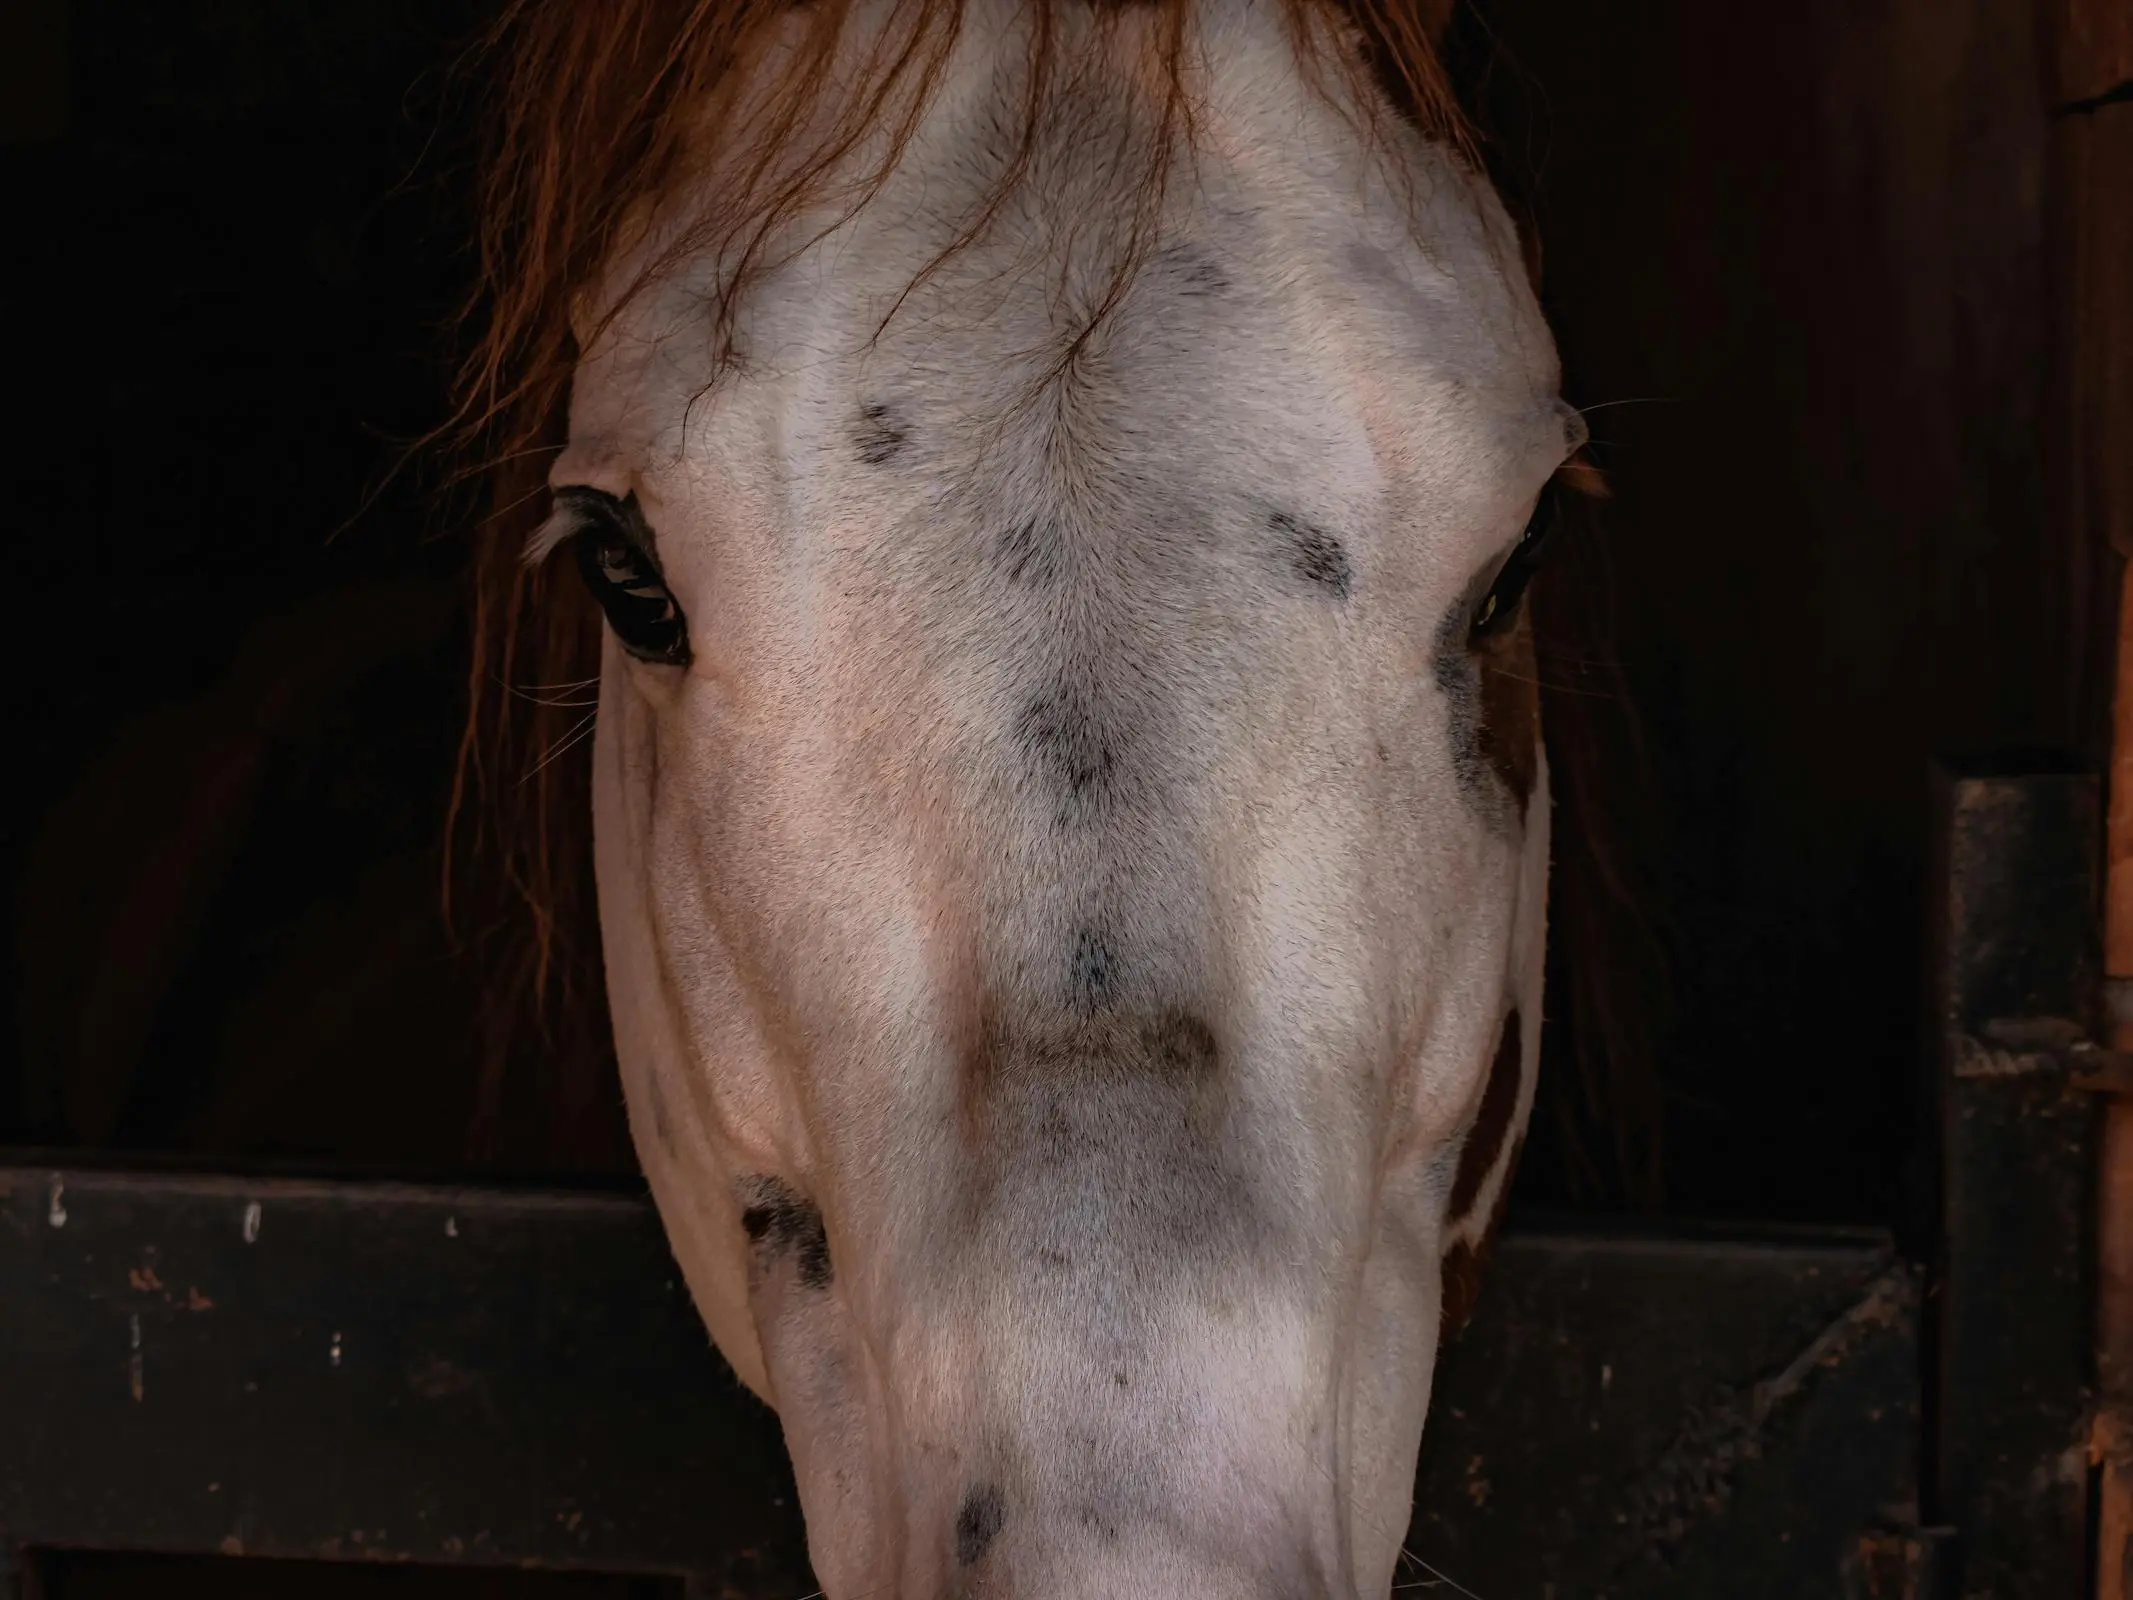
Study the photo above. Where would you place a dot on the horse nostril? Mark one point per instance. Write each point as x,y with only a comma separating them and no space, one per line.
978,1523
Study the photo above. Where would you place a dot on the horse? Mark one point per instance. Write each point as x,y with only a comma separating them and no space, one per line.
1071,818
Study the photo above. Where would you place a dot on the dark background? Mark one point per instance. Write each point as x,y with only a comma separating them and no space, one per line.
1798,266
233,681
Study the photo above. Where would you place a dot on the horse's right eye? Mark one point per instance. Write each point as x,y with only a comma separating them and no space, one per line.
624,577
1499,606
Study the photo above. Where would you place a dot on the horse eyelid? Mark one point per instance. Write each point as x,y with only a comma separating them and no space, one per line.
576,507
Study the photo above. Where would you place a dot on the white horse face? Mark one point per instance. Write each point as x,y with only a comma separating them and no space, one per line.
1072,835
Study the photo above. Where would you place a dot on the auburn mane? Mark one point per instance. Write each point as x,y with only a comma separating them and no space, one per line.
600,119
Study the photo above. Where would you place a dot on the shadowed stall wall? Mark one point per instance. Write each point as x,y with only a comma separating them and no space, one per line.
1802,269
233,673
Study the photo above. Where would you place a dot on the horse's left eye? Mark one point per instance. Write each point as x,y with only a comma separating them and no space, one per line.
1499,607
626,580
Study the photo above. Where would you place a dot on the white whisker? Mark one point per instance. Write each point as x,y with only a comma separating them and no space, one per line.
540,694
1638,400
580,731
1439,1579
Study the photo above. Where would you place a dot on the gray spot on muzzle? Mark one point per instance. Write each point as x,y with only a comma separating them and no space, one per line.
1094,978
978,1523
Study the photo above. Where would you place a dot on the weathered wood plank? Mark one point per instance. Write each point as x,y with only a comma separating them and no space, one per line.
387,1372
369,1371
1672,1417
2014,984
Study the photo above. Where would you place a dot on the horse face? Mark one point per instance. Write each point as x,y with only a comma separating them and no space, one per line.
1071,834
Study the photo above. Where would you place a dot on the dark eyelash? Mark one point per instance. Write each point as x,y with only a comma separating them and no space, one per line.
595,508
619,564
1500,604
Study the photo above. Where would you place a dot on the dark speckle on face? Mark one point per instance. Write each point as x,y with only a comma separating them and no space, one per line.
662,1123
1095,975
1314,554
978,1524
1071,741
881,435
1033,551
781,1223
1104,1526
1194,271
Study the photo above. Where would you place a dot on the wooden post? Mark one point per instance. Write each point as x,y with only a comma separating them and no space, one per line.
2112,1447
2014,981
2095,64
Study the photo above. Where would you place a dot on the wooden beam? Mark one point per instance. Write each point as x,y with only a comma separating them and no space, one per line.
382,1372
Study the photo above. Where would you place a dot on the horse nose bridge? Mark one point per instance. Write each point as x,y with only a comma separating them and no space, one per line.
1141,1164
1167,1140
